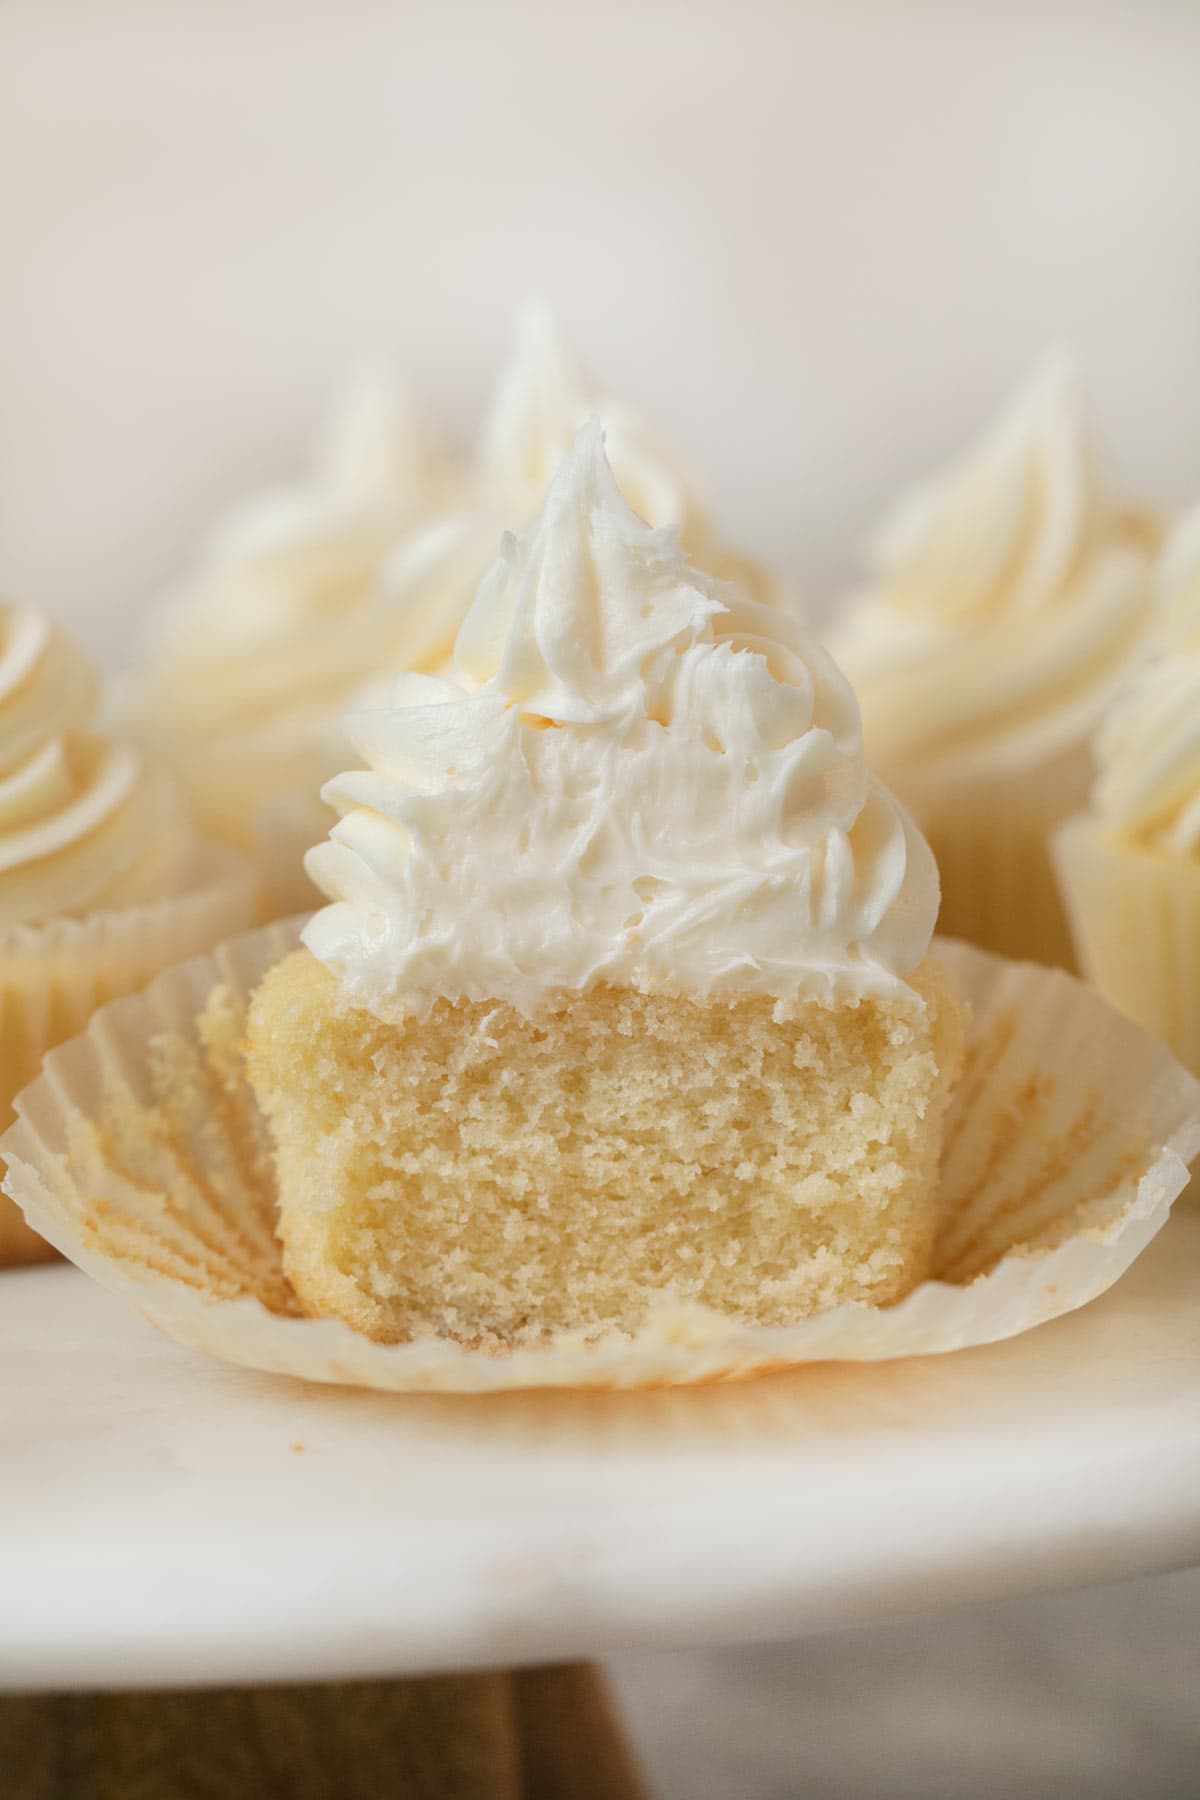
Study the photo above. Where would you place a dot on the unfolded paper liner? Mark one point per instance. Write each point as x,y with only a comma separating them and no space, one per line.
146,1161
54,976
990,830
1135,916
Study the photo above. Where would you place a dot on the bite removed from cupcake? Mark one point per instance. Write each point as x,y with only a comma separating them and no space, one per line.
623,996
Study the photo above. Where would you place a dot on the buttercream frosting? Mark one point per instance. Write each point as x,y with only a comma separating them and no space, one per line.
84,826
1007,597
541,400
635,775
280,620
1148,748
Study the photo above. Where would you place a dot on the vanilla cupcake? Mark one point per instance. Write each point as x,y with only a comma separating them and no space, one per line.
308,596
623,993
1130,865
256,653
102,882
1008,600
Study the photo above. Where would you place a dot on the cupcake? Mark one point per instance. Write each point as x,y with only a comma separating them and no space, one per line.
259,648
306,597
623,993
1130,864
102,881
1007,601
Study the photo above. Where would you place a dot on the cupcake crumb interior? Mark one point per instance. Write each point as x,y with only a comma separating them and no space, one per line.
498,1179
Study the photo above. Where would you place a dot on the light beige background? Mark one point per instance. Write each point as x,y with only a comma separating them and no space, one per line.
815,243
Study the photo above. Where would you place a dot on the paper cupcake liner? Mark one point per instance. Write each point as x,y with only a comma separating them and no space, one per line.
147,1162
990,832
1135,917
54,976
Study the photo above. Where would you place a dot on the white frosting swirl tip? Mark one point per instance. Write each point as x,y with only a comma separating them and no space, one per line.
1007,596
83,826
1148,748
636,776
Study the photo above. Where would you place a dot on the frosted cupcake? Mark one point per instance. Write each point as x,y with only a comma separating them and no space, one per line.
623,993
277,625
368,568
1008,600
1130,865
102,881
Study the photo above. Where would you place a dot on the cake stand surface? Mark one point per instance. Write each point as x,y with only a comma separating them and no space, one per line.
169,1520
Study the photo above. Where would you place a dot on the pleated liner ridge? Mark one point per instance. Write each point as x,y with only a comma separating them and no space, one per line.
144,1159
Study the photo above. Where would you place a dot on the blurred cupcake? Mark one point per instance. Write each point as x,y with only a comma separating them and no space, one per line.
102,882
1130,865
277,624
307,597
1009,599
541,401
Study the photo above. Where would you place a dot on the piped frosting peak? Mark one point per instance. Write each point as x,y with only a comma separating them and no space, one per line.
635,776
541,400
1007,594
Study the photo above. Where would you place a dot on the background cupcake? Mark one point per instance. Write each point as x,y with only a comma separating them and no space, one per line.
1130,866
277,624
309,595
1008,600
102,882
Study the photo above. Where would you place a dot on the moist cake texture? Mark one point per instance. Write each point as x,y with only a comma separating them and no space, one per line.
496,1178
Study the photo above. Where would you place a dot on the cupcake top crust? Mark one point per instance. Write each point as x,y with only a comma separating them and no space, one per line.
1148,749
635,776
1006,596
84,825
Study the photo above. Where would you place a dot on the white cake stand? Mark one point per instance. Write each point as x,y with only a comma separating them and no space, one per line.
168,1520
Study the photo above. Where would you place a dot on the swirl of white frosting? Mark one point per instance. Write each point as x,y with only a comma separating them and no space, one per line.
1008,596
280,619
83,826
637,777
1148,748
541,401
